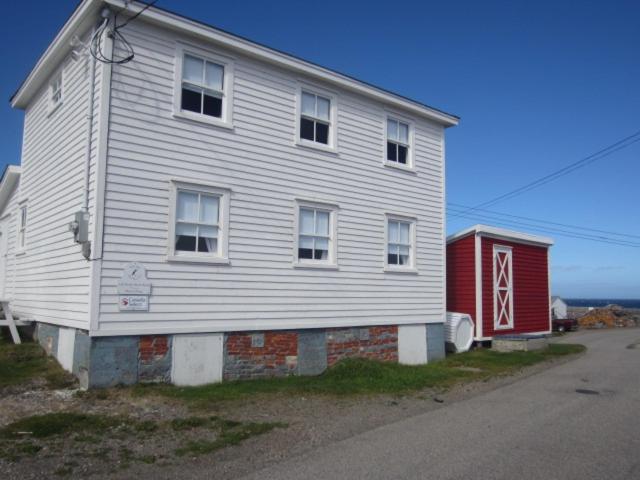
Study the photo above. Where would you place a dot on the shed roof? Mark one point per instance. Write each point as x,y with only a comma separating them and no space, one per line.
495,232
9,179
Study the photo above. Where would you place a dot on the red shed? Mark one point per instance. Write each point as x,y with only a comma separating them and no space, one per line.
501,278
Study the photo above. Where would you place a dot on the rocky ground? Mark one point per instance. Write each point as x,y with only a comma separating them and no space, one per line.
159,437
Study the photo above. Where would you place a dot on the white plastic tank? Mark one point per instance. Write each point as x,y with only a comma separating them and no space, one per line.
458,332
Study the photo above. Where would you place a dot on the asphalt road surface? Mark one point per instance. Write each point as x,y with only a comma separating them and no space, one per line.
536,428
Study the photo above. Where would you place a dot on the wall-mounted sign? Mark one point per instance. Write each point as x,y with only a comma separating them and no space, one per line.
138,303
134,288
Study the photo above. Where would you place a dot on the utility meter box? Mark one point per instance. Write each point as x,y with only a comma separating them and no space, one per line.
80,227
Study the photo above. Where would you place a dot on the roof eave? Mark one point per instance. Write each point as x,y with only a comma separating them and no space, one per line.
55,52
7,183
501,233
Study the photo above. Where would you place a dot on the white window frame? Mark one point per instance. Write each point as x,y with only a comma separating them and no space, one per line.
21,226
226,121
332,262
410,165
224,194
51,90
413,236
332,146
509,251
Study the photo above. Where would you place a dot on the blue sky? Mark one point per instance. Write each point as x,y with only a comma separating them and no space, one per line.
538,85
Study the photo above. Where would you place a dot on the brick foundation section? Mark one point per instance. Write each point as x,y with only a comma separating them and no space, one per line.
153,347
273,354
375,343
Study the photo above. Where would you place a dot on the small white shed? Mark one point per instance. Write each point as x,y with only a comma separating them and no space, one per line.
558,308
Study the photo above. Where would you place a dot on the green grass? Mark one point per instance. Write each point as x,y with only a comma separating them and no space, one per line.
22,363
51,424
229,433
359,376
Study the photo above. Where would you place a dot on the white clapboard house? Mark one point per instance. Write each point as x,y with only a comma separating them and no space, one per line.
192,206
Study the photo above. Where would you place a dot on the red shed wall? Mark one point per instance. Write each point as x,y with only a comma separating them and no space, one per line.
461,276
530,287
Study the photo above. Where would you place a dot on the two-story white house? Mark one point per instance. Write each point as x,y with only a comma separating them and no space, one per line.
192,206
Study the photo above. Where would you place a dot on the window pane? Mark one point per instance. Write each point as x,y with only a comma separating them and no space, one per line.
404,233
402,154
392,129
321,251
392,151
403,257
214,75
192,69
308,104
306,129
322,133
323,108
209,209
186,237
191,100
393,231
207,245
404,133
322,223
305,247
306,221
392,259
187,206
212,106
206,231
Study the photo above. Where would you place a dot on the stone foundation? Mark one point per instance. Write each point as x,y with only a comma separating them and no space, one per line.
126,360
519,343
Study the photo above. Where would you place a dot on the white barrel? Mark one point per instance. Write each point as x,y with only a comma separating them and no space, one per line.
458,332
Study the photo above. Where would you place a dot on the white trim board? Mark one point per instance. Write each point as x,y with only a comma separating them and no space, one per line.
502,234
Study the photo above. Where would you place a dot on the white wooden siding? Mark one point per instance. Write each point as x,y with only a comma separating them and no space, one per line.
11,212
51,276
266,172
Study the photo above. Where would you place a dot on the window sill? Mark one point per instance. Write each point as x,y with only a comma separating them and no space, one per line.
201,259
194,117
316,146
399,166
316,266
411,271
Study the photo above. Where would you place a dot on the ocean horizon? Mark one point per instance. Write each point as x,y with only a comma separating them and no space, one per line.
602,302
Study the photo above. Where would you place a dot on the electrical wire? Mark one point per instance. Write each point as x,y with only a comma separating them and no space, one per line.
599,155
120,43
462,208
544,229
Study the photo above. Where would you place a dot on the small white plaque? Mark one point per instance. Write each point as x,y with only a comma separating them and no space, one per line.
138,303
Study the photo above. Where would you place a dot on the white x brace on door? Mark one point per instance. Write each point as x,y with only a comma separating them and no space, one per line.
502,288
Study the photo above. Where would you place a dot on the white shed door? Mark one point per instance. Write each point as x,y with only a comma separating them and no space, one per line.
502,288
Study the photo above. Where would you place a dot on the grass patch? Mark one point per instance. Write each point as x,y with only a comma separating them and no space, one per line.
359,376
230,433
51,424
28,361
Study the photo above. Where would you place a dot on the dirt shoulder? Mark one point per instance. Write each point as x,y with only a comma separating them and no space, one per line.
167,438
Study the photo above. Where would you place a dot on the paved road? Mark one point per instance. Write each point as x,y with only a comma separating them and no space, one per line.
535,428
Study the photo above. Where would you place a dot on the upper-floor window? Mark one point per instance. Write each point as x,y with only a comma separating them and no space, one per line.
315,118
22,228
316,236
200,226
55,92
202,86
400,247
398,142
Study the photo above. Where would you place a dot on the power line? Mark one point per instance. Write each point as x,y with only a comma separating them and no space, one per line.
600,154
578,227
544,229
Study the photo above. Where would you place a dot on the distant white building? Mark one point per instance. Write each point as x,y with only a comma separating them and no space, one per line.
558,307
